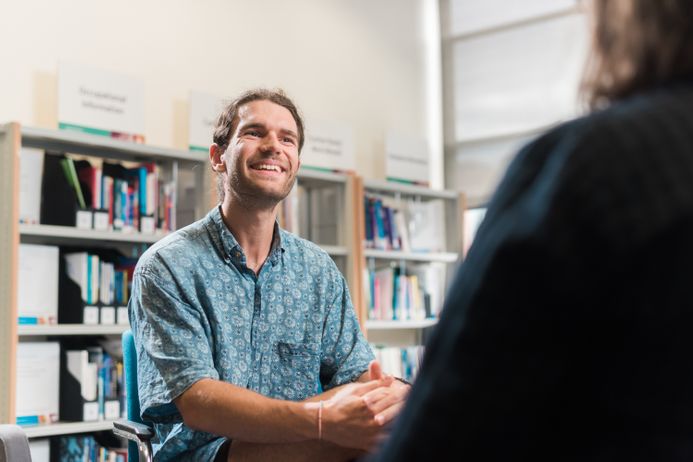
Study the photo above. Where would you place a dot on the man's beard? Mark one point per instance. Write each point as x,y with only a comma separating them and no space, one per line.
252,195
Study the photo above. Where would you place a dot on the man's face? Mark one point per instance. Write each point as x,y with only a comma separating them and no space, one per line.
262,157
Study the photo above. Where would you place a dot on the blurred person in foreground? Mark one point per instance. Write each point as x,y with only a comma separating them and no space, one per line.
567,333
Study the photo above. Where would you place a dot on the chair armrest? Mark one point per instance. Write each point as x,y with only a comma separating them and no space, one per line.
14,445
137,432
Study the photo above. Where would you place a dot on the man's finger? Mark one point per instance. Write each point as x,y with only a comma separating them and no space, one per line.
376,395
389,414
360,389
375,370
384,401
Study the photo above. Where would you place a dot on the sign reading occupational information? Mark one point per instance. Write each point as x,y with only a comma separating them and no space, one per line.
407,159
329,146
204,111
100,102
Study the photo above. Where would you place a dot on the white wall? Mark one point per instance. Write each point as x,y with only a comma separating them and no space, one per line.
357,62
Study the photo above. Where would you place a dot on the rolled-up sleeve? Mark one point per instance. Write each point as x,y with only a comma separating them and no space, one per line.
172,342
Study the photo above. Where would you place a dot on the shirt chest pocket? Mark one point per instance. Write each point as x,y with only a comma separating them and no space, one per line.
295,370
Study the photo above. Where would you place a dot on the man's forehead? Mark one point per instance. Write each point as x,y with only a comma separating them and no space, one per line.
263,111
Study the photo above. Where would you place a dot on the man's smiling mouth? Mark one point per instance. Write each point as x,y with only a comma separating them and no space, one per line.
270,167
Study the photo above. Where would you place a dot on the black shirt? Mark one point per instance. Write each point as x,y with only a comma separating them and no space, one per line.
567,334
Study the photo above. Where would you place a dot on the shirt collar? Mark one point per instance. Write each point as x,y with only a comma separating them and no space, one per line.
229,246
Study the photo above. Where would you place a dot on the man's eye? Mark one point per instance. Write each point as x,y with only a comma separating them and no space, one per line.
252,133
288,140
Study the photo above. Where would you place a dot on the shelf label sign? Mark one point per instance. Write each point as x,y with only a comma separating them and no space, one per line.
100,102
203,113
406,159
329,146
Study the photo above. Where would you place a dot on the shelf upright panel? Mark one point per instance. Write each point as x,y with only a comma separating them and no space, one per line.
9,247
354,217
455,225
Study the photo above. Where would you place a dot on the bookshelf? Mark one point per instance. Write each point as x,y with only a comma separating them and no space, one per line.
41,234
374,325
396,255
405,275
59,330
67,428
184,170
9,243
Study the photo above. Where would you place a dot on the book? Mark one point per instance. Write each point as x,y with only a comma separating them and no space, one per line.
58,197
38,364
432,279
37,294
90,179
79,384
77,268
403,362
426,225
76,293
30,173
70,172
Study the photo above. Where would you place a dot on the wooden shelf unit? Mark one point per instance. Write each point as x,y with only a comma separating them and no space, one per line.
13,137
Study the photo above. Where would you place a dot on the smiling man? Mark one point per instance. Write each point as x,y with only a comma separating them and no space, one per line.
240,325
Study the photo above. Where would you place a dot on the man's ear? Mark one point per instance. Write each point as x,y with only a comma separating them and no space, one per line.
216,158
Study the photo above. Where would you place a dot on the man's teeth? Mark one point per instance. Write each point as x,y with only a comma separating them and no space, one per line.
268,167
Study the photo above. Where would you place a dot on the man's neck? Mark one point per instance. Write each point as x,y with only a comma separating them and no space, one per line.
253,228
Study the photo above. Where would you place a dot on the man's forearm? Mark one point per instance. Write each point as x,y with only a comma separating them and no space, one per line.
225,409
344,417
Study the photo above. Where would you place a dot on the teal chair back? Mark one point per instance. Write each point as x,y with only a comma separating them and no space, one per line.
130,369
138,433
132,401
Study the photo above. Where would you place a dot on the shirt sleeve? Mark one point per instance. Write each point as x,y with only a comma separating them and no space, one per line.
172,343
345,351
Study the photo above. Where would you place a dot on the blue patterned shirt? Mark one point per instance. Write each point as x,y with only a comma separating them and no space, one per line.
197,311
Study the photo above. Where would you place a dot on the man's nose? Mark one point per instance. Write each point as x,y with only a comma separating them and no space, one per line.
270,143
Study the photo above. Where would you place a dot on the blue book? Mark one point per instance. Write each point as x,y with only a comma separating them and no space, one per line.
380,238
368,208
